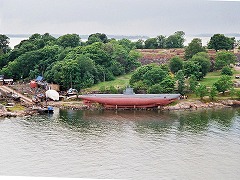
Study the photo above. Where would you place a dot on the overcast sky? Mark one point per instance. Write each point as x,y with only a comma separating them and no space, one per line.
119,17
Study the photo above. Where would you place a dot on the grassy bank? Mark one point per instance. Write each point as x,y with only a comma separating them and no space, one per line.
120,81
212,77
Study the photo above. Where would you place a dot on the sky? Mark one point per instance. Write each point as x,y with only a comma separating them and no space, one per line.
119,17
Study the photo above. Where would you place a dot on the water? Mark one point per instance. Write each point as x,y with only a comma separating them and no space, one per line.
200,144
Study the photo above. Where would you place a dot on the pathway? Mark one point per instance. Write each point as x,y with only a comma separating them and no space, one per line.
23,98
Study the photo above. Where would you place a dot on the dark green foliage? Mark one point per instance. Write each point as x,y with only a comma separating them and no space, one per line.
173,41
78,73
155,89
203,60
191,68
213,92
180,82
126,44
36,61
176,64
139,44
198,65
4,41
176,40
3,60
67,62
220,42
193,83
201,91
224,58
113,90
153,78
224,83
193,48
226,70
166,86
161,41
97,37
69,40
151,43
102,89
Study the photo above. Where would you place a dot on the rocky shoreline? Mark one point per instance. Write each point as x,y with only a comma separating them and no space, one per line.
78,105
181,105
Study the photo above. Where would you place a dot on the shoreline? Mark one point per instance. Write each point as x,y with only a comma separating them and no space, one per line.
182,105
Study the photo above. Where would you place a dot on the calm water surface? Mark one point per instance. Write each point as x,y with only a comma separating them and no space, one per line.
123,145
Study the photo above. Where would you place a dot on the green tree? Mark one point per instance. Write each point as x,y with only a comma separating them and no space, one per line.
77,73
151,43
140,86
69,40
3,60
113,90
224,58
180,82
155,89
213,92
146,76
201,91
176,64
139,44
97,52
193,48
176,40
224,83
193,83
202,59
126,44
161,41
154,76
132,61
97,37
192,68
166,86
140,72
226,70
4,42
220,41
102,89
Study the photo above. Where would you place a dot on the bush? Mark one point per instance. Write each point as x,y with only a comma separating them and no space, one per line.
113,90
226,70
102,89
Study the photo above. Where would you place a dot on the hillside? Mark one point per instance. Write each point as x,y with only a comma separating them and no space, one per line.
161,56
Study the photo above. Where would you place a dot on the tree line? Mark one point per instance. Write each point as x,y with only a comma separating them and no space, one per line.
184,75
69,62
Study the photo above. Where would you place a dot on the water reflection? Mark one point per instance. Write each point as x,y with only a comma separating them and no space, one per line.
145,121
123,144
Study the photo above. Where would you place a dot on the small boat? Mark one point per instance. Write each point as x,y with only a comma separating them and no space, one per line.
45,110
129,99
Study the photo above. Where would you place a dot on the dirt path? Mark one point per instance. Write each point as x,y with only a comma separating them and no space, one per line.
23,98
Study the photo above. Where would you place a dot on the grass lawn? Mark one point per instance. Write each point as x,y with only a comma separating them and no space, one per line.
120,81
212,77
